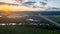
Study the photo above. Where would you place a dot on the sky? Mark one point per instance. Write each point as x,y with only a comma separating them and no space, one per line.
53,3
50,3
8,7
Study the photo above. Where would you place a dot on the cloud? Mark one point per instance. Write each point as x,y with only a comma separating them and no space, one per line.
17,8
12,5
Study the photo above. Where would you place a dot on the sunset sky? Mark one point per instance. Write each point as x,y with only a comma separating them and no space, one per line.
52,3
6,7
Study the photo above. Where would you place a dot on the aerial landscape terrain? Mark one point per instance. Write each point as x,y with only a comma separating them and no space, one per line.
29,17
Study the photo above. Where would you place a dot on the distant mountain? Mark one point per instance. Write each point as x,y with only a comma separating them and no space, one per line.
53,9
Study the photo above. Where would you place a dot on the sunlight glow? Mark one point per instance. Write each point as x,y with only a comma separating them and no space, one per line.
20,7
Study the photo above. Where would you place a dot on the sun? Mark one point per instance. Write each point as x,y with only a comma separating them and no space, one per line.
6,10
12,8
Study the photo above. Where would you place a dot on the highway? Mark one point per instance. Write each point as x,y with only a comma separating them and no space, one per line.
51,21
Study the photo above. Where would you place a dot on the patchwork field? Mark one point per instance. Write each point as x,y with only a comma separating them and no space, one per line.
28,30
25,30
56,19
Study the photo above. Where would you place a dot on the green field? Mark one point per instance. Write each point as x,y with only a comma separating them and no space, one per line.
56,19
25,30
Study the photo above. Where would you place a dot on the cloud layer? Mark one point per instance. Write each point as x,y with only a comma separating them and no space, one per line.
12,5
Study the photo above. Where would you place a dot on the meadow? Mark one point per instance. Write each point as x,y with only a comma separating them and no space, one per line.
25,30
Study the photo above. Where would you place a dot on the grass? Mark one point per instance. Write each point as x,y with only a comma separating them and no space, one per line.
25,30
56,19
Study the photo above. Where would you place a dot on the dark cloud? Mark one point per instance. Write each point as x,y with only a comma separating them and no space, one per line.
3,3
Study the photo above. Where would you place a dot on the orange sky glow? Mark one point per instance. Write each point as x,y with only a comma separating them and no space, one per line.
9,8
